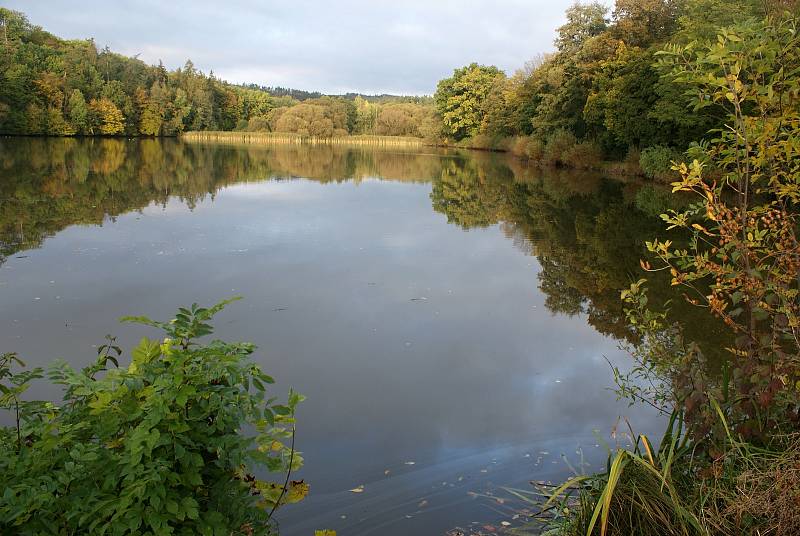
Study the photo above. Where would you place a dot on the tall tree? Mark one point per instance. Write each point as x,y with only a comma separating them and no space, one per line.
107,118
460,99
78,112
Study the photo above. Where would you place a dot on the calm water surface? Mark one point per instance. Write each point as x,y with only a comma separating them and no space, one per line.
449,316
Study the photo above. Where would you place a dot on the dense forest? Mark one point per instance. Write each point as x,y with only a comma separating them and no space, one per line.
604,93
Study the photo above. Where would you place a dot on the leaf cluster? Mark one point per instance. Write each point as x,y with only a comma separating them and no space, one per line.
177,442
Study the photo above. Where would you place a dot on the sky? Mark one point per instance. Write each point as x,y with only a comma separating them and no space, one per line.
333,46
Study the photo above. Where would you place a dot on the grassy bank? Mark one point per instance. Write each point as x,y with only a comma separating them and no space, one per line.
280,138
562,153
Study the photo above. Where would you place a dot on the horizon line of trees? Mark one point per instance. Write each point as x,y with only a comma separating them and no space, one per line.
56,87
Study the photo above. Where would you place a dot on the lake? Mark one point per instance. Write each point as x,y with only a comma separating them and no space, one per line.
450,316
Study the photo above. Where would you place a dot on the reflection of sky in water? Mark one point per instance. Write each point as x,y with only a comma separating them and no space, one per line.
413,340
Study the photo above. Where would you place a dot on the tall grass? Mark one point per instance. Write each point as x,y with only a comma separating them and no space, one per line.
279,138
682,490
639,493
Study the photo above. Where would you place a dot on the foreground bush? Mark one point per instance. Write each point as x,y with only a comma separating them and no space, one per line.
171,444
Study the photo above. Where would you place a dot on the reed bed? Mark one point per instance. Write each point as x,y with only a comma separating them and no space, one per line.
280,138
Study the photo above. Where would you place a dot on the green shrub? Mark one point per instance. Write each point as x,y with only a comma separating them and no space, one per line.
484,142
528,147
167,445
656,161
558,145
534,149
583,155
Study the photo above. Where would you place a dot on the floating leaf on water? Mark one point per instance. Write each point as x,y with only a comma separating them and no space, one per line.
359,489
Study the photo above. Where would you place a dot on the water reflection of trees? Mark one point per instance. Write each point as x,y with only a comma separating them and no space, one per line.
585,231
49,184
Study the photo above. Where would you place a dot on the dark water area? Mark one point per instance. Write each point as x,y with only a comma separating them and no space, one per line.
450,317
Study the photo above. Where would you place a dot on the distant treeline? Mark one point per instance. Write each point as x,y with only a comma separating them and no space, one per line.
301,95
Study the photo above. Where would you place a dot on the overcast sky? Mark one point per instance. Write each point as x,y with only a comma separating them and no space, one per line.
334,46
